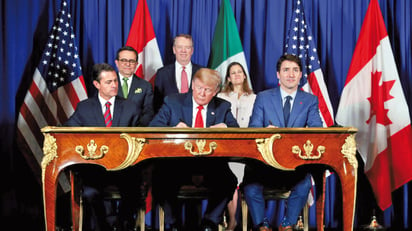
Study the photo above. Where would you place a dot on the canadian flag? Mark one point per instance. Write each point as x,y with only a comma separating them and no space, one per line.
373,101
143,39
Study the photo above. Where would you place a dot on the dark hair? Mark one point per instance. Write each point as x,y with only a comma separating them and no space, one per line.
99,68
228,86
187,36
288,57
127,48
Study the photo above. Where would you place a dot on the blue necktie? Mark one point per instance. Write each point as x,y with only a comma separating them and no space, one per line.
286,109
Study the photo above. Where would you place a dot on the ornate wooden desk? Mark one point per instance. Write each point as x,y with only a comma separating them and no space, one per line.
283,148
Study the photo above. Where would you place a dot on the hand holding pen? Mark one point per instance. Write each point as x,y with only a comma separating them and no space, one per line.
271,125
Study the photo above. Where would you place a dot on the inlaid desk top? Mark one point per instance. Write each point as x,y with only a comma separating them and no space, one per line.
120,147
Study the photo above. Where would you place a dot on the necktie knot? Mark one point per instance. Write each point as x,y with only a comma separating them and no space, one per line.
288,98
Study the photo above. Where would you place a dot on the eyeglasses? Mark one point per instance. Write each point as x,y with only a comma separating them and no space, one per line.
130,61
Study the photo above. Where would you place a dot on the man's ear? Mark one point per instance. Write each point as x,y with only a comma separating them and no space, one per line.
96,84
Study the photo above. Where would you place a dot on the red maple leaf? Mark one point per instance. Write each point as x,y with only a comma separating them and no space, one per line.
379,95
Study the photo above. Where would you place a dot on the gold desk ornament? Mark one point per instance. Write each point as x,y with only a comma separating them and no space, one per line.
308,147
135,148
91,148
349,150
201,147
264,146
49,150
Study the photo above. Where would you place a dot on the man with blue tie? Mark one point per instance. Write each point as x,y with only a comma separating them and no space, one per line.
283,106
198,108
106,109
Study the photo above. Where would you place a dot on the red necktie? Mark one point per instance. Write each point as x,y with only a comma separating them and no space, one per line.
108,115
199,119
185,85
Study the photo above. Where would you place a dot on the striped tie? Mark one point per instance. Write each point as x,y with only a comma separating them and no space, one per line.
108,115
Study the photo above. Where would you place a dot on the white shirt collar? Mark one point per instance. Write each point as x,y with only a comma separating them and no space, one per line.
103,103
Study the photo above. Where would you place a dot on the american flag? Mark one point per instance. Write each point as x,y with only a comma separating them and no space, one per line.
300,42
55,90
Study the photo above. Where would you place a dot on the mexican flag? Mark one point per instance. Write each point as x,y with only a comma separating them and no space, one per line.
226,46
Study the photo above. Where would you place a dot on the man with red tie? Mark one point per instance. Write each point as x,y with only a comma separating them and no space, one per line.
198,108
176,77
106,109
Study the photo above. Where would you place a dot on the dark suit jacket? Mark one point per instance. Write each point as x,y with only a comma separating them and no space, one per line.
89,113
179,107
141,94
268,108
165,83
170,174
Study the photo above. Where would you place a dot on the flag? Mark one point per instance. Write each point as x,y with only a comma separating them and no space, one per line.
55,90
300,42
226,45
143,39
311,195
372,100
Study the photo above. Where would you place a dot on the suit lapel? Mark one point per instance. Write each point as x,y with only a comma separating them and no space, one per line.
171,82
120,81
211,113
134,86
297,107
97,112
118,108
277,107
187,110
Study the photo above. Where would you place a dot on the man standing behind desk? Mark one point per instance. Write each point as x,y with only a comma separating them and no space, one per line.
284,106
176,77
199,108
133,88
105,109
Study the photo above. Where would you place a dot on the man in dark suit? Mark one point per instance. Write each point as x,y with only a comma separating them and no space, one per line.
133,88
199,108
106,109
169,78
272,109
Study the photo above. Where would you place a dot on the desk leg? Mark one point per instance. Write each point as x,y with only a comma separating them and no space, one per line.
348,182
76,206
49,198
320,206
348,178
